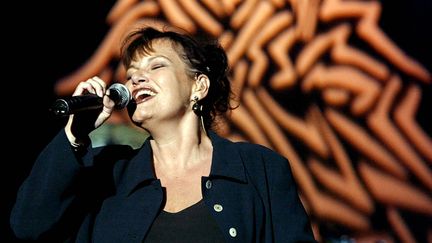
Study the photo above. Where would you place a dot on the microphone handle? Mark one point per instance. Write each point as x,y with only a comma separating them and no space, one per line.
63,107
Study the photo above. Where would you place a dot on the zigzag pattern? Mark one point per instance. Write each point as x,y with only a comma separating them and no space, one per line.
357,151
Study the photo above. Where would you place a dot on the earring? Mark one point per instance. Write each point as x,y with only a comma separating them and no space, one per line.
197,108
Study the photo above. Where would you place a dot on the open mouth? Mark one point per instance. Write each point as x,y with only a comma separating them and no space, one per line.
142,95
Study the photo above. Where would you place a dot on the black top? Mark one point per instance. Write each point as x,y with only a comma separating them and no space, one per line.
192,224
112,195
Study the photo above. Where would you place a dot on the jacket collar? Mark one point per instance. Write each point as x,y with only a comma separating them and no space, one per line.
226,163
140,169
226,160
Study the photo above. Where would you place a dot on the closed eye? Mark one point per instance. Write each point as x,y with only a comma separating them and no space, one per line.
157,66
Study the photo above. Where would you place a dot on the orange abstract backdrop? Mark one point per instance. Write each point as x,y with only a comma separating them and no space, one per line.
320,82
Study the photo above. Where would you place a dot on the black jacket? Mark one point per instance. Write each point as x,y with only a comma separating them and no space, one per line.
110,194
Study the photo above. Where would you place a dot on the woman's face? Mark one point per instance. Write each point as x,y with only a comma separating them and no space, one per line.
159,84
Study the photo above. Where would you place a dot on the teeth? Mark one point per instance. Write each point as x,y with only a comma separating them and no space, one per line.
146,92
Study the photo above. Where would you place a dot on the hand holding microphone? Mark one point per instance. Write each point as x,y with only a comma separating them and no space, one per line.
66,106
90,106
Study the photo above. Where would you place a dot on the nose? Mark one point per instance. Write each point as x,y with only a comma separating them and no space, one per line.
138,77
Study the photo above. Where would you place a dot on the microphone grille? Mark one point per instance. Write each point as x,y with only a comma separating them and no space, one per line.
120,95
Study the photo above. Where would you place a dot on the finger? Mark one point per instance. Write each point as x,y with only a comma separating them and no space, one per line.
108,104
106,111
102,84
98,84
84,87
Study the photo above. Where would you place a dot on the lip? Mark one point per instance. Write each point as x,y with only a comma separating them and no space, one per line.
137,90
144,100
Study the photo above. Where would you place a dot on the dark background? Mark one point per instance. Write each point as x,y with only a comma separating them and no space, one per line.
45,41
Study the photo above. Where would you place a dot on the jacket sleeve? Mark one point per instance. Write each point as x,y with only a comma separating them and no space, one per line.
45,197
289,218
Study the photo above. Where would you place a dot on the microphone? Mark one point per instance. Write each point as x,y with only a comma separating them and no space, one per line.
66,106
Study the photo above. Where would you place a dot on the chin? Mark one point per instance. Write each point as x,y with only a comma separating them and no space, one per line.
139,118
136,119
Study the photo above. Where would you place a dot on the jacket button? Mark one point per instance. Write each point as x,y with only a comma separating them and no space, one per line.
218,208
208,184
233,232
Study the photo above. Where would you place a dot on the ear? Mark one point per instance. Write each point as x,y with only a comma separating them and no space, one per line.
201,86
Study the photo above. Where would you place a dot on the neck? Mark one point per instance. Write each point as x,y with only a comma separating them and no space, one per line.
181,147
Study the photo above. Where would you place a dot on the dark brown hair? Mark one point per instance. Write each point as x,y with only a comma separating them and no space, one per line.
205,56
